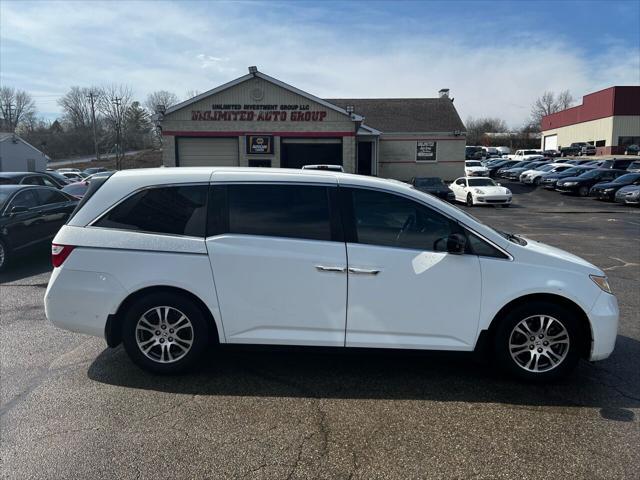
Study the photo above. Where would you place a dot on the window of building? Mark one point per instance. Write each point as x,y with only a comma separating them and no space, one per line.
626,141
169,210
294,211
600,143
392,221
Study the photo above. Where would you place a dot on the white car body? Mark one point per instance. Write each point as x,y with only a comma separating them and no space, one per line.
494,194
293,291
530,176
475,168
528,154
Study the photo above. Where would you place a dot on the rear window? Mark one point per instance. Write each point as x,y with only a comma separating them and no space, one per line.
175,210
294,211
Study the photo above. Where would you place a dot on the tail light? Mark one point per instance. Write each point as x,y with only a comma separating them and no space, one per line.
59,253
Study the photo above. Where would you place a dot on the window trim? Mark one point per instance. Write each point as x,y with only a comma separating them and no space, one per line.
91,224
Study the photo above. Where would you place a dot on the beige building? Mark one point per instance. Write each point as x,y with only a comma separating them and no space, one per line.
608,119
257,120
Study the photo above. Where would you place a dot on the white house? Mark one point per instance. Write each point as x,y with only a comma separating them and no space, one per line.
17,155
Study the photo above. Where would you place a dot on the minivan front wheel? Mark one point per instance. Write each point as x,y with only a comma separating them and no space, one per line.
538,341
164,332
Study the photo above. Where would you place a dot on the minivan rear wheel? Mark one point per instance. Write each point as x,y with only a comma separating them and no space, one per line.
164,332
539,341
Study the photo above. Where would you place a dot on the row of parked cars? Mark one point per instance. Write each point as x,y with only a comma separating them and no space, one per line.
34,205
611,179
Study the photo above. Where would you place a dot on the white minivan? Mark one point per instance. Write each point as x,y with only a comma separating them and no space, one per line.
172,261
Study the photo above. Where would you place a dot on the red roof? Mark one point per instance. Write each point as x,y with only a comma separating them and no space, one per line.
605,103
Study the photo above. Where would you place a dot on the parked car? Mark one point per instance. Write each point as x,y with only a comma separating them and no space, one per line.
632,150
73,177
30,178
493,169
549,180
433,185
281,247
530,154
574,149
491,152
503,150
92,170
582,184
617,163
551,153
535,176
472,153
607,190
588,149
29,216
332,168
502,170
513,173
77,189
629,195
480,191
634,166
475,168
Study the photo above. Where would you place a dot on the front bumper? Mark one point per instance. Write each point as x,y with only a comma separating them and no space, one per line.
604,326
628,199
602,195
567,189
493,199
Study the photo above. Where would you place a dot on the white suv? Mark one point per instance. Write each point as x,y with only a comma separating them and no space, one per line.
172,261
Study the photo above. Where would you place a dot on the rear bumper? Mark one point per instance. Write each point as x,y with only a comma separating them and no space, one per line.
81,301
604,326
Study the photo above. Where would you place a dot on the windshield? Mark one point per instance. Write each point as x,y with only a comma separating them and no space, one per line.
575,171
481,182
473,164
591,174
628,178
428,182
545,168
76,188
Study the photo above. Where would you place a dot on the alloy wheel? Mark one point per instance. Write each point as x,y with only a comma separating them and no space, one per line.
164,334
539,343
469,200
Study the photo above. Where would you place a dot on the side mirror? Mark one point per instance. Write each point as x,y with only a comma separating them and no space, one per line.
454,243
18,209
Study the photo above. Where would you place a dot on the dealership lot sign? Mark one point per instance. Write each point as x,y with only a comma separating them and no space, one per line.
258,113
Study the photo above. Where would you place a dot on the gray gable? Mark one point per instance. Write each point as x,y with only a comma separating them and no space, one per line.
405,115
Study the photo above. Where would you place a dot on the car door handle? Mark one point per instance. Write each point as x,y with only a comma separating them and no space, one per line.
363,271
324,268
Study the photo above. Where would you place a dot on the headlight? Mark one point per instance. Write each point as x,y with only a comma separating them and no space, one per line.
507,191
609,189
602,282
477,190
569,184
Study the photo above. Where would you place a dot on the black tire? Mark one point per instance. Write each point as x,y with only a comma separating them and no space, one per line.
469,200
583,191
505,330
536,181
4,256
200,333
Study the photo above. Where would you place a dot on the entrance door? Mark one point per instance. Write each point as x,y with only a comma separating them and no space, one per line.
297,152
278,264
365,154
404,290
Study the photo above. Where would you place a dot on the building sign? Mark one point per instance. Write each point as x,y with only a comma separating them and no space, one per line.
259,113
426,151
260,144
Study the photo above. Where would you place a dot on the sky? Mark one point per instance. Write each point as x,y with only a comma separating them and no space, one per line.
497,57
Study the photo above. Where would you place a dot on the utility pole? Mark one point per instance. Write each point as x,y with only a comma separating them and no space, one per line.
116,103
92,97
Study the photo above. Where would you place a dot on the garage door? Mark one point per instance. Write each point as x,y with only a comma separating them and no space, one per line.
551,142
207,152
296,152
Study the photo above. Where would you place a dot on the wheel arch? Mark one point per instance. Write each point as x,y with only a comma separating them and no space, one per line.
486,336
113,328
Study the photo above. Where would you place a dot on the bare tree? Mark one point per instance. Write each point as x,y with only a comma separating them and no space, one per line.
478,127
76,106
160,97
113,103
549,103
15,106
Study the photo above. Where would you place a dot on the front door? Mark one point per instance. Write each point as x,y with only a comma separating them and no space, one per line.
365,155
404,291
279,263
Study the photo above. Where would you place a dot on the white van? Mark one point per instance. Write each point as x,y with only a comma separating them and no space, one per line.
172,261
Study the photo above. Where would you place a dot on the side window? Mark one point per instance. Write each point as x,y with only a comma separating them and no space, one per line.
48,197
390,220
477,246
460,181
294,211
169,210
32,181
26,199
48,182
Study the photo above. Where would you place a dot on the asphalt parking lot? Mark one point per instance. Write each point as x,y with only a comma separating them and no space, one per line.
71,408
